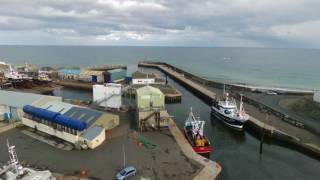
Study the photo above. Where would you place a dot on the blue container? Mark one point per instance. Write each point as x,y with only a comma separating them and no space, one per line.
129,78
7,116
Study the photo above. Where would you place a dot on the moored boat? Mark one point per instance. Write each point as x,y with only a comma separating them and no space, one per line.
14,170
227,111
193,131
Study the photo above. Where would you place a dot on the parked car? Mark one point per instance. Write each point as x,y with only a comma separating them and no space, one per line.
126,173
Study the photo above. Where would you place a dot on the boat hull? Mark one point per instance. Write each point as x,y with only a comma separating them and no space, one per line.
231,122
204,150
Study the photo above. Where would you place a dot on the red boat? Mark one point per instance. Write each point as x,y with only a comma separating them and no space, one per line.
193,130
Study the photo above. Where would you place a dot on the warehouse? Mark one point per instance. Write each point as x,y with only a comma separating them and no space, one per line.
115,75
77,125
149,97
72,74
107,95
89,75
11,103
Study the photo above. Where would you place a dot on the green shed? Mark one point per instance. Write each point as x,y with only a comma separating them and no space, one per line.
148,97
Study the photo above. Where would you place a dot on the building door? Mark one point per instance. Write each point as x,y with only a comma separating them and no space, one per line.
94,78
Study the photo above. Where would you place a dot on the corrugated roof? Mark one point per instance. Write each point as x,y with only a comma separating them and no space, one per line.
116,70
18,99
70,71
57,106
92,132
84,114
148,90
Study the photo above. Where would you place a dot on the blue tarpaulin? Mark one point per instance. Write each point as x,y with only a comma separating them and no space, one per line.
55,117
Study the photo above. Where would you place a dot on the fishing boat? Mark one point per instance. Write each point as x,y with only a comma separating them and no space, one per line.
14,170
227,111
193,130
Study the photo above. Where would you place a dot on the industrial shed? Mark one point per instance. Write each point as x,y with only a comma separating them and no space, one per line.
148,97
115,75
107,95
74,124
72,74
94,76
150,105
12,102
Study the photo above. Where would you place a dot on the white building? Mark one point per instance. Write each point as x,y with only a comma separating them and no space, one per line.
77,125
143,81
12,102
107,95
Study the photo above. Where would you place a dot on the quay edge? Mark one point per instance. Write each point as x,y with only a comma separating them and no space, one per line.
211,169
191,82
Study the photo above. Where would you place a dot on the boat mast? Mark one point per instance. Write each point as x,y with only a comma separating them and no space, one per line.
241,105
13,158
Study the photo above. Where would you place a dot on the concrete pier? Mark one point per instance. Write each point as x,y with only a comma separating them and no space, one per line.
217,84
276,128
211,170
199,90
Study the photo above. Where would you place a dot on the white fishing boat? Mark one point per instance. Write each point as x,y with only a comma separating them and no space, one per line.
227,111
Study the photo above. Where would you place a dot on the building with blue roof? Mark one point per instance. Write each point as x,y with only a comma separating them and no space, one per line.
94,136
12,102
78,125
69,73
48,114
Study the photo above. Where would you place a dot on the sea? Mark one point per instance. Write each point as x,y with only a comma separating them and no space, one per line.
275,67
237,152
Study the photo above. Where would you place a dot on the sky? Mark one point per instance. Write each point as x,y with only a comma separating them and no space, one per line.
222,23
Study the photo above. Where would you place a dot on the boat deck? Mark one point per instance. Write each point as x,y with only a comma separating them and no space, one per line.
211,169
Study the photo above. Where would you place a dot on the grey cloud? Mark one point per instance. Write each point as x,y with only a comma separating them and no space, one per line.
161,22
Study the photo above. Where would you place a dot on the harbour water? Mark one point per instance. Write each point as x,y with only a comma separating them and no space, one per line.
296,68
237,152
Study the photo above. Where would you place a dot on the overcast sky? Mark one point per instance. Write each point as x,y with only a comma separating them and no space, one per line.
257,23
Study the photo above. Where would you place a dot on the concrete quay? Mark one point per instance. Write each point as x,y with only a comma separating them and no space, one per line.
275,128
211,170
292,135
199,90
8,126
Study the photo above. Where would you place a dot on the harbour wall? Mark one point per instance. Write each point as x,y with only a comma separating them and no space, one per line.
290,120
260,129
216,84
196,84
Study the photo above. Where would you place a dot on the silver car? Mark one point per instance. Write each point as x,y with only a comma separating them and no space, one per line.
126,173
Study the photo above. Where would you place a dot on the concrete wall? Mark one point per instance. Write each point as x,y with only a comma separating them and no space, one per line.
96,141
